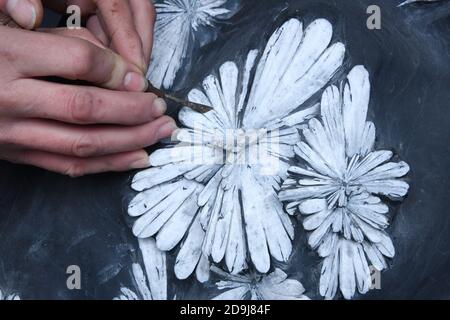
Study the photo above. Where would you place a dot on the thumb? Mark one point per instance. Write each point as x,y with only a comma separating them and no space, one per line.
27,13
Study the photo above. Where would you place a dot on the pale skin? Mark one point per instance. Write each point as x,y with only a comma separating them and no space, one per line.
72,129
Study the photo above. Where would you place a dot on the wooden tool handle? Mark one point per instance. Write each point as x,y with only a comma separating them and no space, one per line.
6,20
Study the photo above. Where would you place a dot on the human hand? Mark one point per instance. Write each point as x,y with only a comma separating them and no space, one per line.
125,26
74,130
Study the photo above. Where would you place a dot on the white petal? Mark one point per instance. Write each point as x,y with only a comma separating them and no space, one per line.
329,275
253,208
362,271
196,155
202,271
210,189
170,47
369,162
155,267
150,223
174,229
149,178
347,282
313,206
127,294
288,289
301,116
279,242
356,102
250,62
294,66
229,79
190,252
222,231
313,221
214,93
146,200
393,189
386,246
238,293
277,57
141,282
236,251
375,256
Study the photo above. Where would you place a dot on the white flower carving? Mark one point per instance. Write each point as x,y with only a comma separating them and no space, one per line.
273,286
180,25
4,296
336,187
150,284
226,209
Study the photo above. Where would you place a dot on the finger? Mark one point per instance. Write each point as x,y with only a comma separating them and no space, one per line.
120,27
70,58
27,13
83,141
144,19
93,24
79,104
75,167
82,33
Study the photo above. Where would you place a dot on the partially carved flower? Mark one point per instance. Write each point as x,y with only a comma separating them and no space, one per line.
4,296
150,282
180,26
336,186
273,286
207,191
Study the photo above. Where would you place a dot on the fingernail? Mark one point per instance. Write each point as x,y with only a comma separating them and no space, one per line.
23,12
160,106
142,162
166,129
134,81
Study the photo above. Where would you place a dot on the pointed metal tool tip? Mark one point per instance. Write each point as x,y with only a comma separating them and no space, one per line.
186,103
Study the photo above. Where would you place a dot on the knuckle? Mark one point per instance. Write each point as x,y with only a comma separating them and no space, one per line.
81,106
82,58
86,146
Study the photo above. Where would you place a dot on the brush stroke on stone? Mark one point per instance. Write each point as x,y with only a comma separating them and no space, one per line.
150,284
416,1
181,25
4,296
336,186
223,209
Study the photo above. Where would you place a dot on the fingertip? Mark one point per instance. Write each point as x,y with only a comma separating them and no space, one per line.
134,81
166,129
140,161
160,106
27,14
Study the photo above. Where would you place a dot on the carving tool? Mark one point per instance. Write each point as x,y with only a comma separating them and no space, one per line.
5,20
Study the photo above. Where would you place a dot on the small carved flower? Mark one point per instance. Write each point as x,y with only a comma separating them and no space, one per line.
4,296
273,286
336,186
206,191
180,25
150,284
